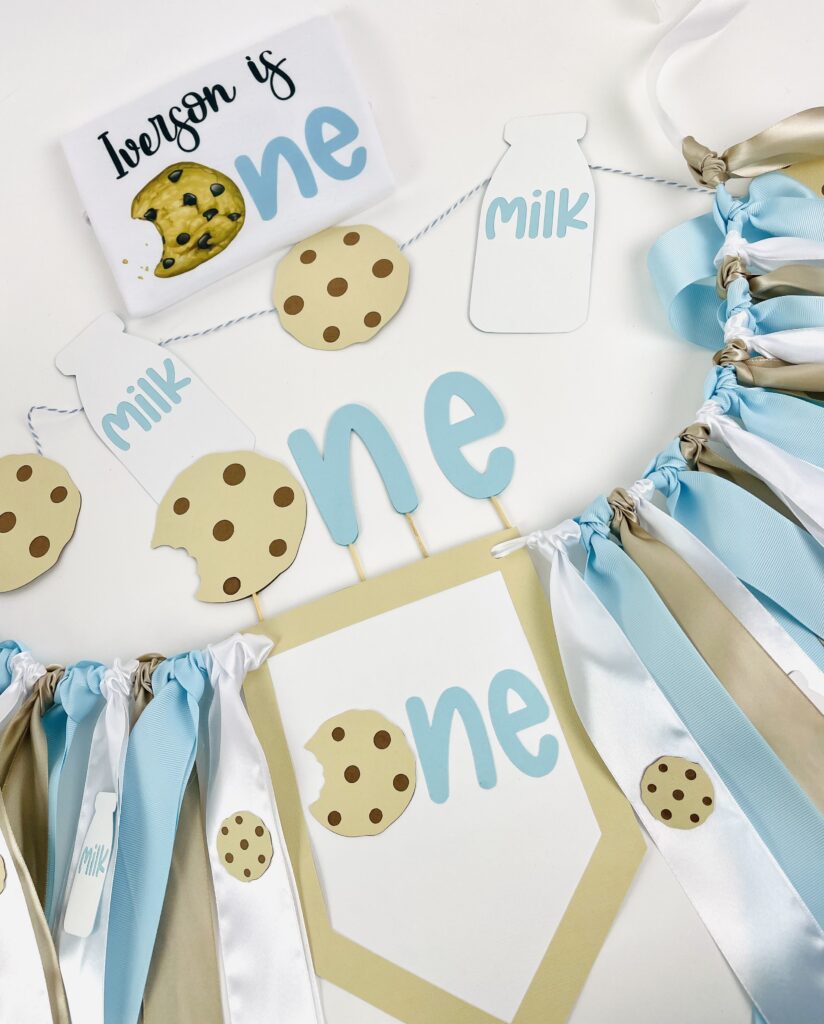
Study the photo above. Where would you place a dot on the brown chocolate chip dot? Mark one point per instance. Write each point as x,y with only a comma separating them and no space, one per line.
234,474
24,473
277,548
308,256
181,506
333,817
382,739
337,287
39,546
239,819
59,494
283,497
231,585
663,767
652,787
259,830
707,801
247,873
372,319
338,733
223,529
694,818
229,858
293,305
376,815
225,831
351,238
690,774
331,334
7,522
261,858
383,268
352,773
244,844
401,783
678,794
666,814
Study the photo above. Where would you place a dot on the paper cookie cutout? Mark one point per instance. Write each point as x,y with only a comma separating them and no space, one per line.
2,876
340,287
678,792
240,515
39,506
368,773
244,845
197,210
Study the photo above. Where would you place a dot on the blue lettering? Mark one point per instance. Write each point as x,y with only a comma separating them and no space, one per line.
507,724
507,209
322,150
263,184
567,217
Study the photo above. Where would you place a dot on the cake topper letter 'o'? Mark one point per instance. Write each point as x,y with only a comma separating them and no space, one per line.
240,515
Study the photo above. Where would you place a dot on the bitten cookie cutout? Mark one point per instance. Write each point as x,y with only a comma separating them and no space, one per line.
340,287
244,845
39,506
678,792
240,515
368,773
197,210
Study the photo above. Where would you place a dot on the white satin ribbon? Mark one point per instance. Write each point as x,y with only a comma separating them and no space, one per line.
770,253
755,916
799,484
704,20
797,345
83,960
267,966
25,671
726,586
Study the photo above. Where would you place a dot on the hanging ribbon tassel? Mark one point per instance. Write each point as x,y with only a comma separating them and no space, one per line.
83,956
767,934
22,671
159,761
266,960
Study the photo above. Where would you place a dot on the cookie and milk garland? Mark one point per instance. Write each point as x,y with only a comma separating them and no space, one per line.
689,642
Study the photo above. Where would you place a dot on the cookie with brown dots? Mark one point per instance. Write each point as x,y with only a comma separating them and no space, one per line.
340,287
197,210
240,515
39,506
368,773
244,846
678,792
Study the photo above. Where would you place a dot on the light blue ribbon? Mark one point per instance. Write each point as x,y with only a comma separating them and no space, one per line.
780,811
68,726
159,761
8,650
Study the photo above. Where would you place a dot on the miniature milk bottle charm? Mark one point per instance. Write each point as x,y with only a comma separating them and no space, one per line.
92,867
146,405
534,251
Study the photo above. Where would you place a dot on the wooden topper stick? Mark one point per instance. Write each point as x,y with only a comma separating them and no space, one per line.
496,504
258,609
353,551
416,533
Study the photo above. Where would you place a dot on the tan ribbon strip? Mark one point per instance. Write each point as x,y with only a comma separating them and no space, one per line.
795,139
792,279
700,457
142,683
787,720
24,778
184,981
45,945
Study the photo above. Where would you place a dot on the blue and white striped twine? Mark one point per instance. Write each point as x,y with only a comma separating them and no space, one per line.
410,241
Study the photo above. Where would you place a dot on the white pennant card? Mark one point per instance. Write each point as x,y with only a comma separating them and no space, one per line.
149,409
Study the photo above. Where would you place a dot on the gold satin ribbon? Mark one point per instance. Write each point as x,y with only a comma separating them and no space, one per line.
801,379
795,139
183,984
24,778
700,457
792,279
787,720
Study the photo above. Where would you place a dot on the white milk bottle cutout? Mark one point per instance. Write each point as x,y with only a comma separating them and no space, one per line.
533,256
92,868
146,405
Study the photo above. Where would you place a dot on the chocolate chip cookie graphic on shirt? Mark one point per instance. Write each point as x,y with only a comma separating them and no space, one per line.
39,506
678,792
197,210
368,773
244,846
340,287
240,515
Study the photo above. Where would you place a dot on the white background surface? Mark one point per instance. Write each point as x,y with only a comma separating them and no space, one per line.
585,411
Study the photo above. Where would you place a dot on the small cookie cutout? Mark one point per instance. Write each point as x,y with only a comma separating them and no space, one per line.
197,211
678,792
2,876
244,846
39,506
240,515
340,287
369,773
